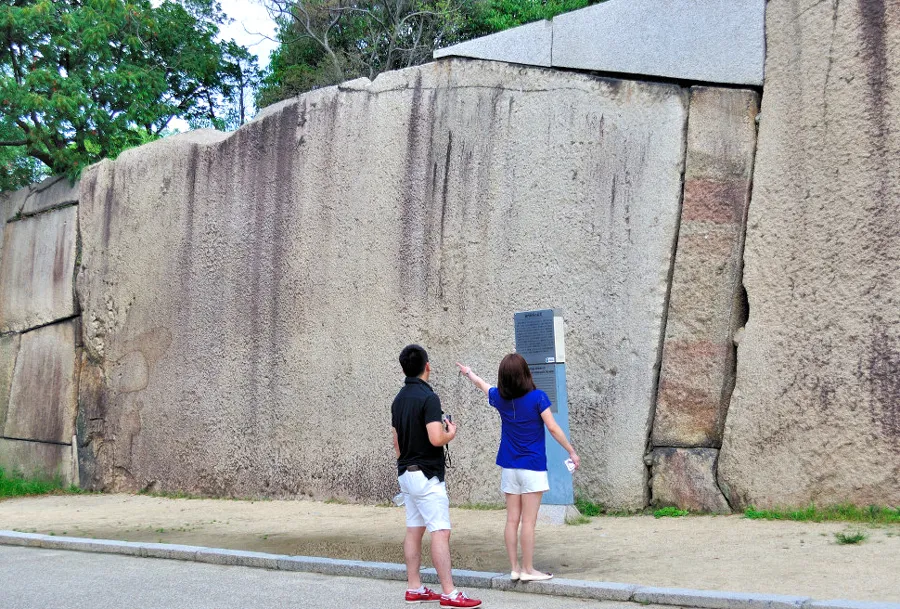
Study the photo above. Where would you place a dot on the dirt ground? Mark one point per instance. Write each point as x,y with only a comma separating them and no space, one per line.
705,552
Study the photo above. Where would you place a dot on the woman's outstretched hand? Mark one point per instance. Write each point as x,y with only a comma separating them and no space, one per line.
466,371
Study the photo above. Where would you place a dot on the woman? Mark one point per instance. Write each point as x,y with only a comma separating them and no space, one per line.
524,410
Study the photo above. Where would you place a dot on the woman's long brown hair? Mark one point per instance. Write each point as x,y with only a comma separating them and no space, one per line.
514,377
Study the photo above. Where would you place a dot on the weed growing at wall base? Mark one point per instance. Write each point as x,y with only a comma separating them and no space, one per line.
16,484
669,512
841,513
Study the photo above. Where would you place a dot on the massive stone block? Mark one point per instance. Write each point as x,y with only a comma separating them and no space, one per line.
9,350
815,415
52,192
686,478
36,270
245,299
37,459
42,398
706,304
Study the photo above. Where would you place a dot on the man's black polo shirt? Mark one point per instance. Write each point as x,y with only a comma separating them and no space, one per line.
415,406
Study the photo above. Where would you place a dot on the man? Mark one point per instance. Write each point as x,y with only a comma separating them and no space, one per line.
419,439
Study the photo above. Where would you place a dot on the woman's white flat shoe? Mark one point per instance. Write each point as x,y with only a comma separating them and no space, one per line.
514,575
528,577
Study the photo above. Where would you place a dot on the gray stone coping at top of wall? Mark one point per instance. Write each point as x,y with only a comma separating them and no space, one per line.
50,193
698,40
702,599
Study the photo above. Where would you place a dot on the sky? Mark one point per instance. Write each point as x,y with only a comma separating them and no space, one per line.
251,27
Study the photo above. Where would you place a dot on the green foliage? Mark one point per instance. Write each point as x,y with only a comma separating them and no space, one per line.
578,520
669,512
842,513
80,81
588,507
324,42
15,484
498,15
850,537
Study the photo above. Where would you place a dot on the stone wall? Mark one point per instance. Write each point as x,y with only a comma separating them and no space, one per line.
40,335
815,415
706,306
245,297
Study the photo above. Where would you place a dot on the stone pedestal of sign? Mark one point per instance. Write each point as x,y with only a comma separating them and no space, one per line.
540,340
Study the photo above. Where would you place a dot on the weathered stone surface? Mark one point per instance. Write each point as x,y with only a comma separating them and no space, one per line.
529,44
706,305
37,458
686,478
51,192
700,40
245,300
36,270
9,350
42,401
815,415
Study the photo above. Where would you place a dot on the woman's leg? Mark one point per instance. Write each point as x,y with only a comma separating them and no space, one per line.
513,515
531,503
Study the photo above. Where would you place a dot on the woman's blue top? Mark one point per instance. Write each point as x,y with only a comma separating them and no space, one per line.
522,444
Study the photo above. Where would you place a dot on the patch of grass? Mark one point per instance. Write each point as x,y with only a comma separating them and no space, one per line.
337,501
841,513
669,512
588,507
580,519
850,537
16,484
483,507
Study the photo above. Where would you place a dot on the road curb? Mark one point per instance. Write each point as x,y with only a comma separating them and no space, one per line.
601,591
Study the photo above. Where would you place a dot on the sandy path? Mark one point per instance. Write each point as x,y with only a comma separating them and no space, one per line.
706,552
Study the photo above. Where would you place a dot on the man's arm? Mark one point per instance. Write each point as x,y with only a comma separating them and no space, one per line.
396,443
437,435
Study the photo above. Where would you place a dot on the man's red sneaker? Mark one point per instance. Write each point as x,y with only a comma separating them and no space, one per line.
460,600
429,596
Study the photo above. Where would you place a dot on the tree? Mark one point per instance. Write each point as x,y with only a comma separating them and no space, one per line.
324,42
85,79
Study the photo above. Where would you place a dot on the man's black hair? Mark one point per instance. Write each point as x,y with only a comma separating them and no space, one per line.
413,359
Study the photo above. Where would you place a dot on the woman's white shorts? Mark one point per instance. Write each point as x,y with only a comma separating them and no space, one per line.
521,481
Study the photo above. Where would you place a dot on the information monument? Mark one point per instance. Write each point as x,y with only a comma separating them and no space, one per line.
540,339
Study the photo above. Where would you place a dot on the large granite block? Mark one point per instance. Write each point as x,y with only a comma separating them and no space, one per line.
36,270
224,279
686,478
815,415
9,350
706,305
37,459
43,396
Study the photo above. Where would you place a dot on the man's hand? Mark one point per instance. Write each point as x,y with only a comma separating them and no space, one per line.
438,434
451,430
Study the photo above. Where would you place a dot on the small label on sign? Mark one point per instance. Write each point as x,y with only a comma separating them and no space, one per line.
551,360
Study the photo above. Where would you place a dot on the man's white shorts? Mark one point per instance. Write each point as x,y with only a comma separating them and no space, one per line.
521,481
427,504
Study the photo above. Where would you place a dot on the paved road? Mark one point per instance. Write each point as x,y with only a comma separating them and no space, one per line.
56,579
